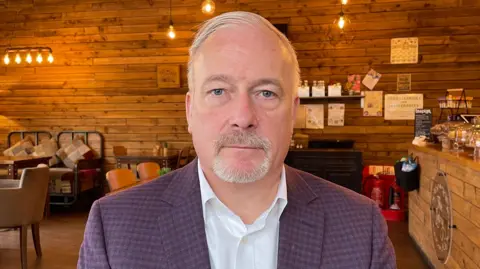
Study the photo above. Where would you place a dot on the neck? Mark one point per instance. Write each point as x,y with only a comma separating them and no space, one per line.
246,200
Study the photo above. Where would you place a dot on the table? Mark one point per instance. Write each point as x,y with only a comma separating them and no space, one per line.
12,164
168,160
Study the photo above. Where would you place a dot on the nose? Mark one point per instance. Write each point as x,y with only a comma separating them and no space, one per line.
243,114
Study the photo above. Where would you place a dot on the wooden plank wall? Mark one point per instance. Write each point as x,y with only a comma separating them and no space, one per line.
107,51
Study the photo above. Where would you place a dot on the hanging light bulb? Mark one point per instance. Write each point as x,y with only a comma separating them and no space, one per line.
171,31
208,7
344,2
50,58
39,58
341,22
6,59
29,58
18,60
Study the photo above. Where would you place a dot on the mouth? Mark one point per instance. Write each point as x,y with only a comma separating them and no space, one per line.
241,147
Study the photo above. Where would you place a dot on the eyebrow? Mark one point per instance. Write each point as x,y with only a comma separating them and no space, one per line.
266,81
218,77
231,80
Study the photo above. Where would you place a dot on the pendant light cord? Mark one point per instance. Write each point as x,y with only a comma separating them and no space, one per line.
171,22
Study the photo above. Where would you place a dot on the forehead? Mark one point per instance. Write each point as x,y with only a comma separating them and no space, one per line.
242,51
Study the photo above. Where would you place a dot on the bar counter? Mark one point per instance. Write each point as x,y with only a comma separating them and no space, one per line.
463,181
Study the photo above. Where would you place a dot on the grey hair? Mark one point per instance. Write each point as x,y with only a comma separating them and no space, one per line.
237,18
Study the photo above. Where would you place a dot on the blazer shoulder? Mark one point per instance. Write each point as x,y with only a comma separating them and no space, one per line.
146,192
333,195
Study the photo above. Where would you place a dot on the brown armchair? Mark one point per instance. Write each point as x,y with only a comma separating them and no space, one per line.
22,204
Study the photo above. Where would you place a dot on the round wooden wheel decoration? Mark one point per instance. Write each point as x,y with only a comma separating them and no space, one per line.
441,217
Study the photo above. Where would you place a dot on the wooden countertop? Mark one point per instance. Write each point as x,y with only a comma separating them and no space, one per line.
460,158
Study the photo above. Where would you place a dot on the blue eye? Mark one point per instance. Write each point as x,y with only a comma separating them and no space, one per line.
217,91
267,94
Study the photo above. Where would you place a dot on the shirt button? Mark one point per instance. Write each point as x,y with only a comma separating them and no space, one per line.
244,240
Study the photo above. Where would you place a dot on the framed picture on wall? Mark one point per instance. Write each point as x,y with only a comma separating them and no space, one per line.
168,76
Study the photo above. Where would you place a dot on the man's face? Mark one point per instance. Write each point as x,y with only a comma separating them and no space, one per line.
242,108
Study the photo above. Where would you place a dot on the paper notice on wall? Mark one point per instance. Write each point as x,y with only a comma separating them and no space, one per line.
404,82
371,79
404,50
336,114
402,106
373,104
314,117
300,119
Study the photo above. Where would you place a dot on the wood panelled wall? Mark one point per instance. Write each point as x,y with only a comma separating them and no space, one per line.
107,52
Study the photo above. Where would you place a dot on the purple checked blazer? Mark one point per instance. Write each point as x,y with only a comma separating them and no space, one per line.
160,225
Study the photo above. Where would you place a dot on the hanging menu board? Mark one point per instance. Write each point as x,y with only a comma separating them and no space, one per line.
423,122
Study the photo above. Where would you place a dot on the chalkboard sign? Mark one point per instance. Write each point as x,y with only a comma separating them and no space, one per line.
423,122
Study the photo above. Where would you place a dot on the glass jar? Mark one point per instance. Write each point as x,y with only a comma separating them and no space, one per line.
449,134
474,136
462,133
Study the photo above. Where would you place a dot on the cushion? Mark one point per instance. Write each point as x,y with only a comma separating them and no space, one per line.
46,148
71,153
23,147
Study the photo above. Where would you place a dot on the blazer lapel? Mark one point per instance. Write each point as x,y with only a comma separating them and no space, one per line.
181,223
301,227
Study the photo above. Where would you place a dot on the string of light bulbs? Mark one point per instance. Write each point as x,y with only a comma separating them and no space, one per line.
28,51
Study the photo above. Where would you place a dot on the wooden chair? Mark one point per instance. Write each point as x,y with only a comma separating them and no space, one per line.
184,157
148,170
120,178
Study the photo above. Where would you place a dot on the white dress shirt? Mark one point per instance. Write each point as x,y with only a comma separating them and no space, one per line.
231,243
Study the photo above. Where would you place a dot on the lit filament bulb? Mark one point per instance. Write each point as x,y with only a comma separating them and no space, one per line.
344,2
171,32
341,22
39,58
18,60
50,58
208,7
6,59
29,58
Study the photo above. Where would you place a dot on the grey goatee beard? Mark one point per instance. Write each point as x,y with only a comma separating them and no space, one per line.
234,175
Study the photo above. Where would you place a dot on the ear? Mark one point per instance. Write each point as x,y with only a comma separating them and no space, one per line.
296,104
188,109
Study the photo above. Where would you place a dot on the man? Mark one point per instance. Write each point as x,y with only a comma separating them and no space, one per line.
237,205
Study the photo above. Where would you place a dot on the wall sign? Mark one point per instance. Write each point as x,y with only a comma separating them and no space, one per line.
402,106
404,82
373,104
441,217
168,76
423,122
314,117
404,50
371,79
336,114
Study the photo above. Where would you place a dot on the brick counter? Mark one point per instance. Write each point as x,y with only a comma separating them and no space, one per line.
463,177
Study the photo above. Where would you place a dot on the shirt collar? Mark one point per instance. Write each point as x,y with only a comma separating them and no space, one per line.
208,194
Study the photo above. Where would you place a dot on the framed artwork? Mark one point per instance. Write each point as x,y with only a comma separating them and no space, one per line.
404,50
168,76
404,82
